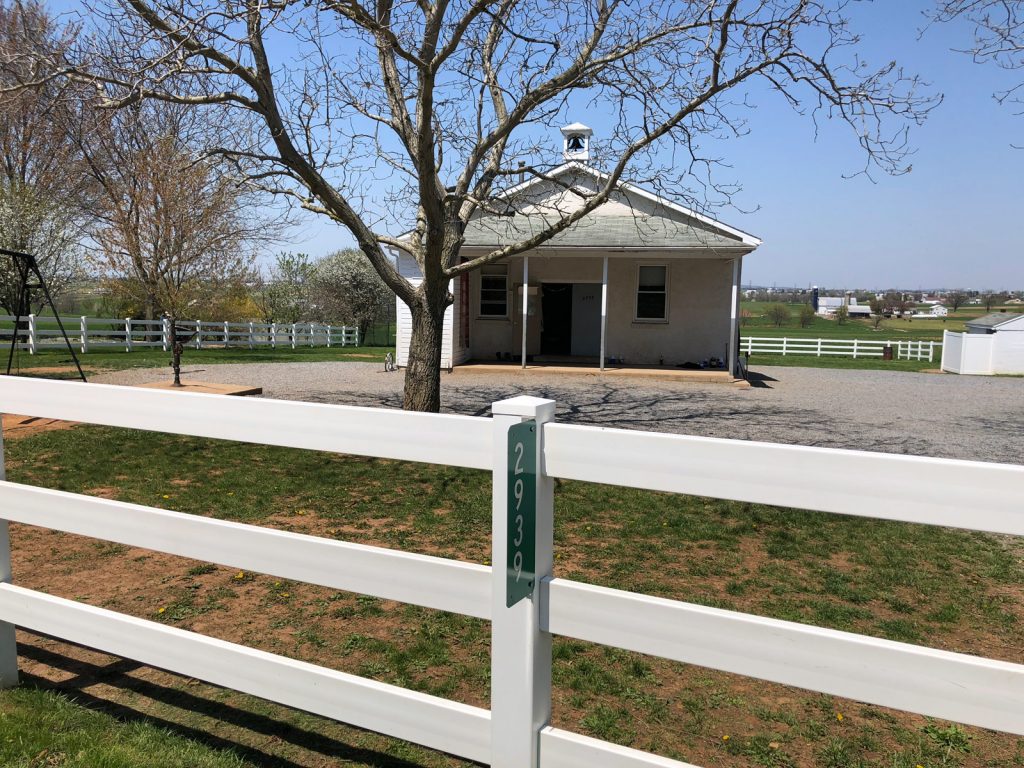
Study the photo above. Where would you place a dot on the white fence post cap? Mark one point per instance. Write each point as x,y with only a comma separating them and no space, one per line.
525,406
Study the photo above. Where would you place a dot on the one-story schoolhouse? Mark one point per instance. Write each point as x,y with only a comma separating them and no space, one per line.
640,281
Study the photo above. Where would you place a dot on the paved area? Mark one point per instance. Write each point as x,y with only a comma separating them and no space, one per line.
968,417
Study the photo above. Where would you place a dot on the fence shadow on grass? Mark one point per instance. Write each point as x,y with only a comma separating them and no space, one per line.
117,674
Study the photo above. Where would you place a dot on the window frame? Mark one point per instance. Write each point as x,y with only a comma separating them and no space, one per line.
480,314
637,292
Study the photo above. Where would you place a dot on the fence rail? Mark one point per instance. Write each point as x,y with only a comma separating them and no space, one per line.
515,731
904,349
89,333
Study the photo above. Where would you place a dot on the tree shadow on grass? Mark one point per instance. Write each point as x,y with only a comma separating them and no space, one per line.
251,725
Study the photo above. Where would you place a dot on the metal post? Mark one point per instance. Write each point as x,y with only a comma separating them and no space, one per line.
165,334
83,329
250,335
31,334
604,308
294,330
734,317
520,650
312,335
328,337
273,335
127,334
526,301
8,648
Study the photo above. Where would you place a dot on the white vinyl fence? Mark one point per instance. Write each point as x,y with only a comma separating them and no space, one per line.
515,732
902,350
89,333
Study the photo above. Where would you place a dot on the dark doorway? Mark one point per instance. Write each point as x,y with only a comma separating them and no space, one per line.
556,318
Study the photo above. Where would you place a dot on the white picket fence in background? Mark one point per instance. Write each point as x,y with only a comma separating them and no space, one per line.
89,333
515,732
902,349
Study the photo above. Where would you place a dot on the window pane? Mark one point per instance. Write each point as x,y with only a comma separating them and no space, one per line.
493,283
652,278
493,309
650,306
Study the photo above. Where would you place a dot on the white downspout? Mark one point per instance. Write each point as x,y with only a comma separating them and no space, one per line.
604,307
526,301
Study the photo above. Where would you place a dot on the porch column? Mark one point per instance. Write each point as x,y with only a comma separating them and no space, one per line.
604,305
526,301
734,317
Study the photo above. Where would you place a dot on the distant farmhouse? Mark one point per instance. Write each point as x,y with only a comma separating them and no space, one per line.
641,280
827,306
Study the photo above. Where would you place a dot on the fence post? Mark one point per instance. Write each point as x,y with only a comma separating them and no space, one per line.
312,335
819,347
127,334
8,648
295,327
227,334
199,334
273,335
83,330
784,340
931,350
165,333
328,336
31,334
250,335
520,650
357,336
854,349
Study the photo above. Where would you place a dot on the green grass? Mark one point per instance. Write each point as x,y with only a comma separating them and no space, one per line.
893,329
846,363
945,588
39,729
151,357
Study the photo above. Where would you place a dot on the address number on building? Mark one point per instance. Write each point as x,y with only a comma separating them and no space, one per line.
521,547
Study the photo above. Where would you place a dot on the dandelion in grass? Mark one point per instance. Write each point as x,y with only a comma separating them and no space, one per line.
725,737
240,575
839,716
162,610
166,496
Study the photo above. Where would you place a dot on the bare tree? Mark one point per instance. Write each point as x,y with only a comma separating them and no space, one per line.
991,299
956,299
41,188
998,35
437,102
171,228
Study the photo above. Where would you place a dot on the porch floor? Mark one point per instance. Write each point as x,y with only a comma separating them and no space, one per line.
621,371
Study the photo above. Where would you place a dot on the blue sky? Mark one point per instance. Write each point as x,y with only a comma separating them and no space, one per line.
948,223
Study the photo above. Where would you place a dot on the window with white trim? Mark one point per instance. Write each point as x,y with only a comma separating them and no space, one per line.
494,290
652,292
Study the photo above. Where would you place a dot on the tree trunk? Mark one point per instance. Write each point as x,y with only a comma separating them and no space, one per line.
423,374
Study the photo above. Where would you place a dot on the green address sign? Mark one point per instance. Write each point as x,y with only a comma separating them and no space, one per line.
521,546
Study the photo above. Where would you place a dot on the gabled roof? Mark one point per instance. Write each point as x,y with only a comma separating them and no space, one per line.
994,320
598,231
744,238
609,231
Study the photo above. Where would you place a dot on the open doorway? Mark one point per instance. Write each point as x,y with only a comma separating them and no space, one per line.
556,319
571,319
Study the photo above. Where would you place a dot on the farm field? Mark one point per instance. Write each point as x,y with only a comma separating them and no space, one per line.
57,363
948,589
894,328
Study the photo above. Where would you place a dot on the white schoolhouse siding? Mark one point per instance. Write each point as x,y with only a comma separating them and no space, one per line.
408,269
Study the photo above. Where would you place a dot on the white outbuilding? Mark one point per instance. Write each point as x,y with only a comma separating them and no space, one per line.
993,344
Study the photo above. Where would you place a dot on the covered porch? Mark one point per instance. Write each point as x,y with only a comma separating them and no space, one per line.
618,311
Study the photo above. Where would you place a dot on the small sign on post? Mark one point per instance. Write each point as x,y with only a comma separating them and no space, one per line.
521,559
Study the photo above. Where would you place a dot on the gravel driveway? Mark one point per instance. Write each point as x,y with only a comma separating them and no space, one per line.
969,417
